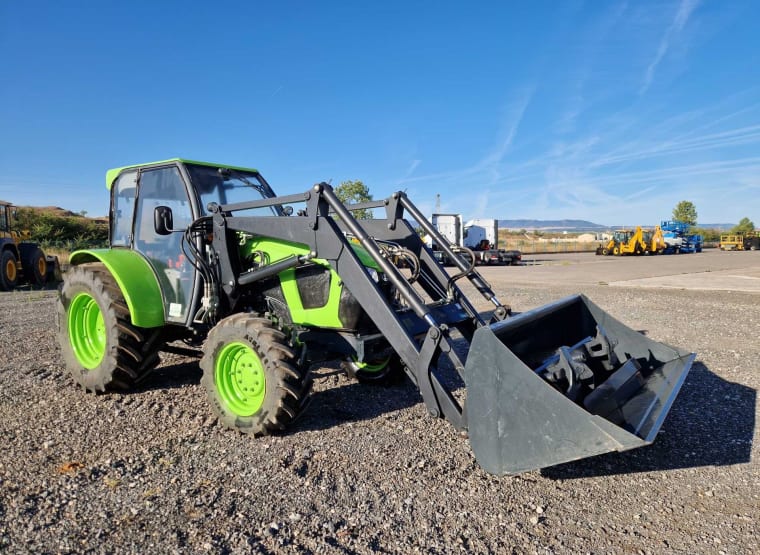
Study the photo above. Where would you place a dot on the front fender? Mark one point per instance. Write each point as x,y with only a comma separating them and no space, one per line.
136,280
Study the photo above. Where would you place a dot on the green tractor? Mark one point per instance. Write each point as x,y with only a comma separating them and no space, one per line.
205,259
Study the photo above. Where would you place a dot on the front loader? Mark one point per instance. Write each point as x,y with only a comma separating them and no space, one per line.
206,254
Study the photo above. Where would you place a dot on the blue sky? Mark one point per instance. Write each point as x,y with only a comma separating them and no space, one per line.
600,110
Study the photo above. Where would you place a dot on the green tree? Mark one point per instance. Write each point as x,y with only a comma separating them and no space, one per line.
708,234
52,230
352,192
686,212
745,226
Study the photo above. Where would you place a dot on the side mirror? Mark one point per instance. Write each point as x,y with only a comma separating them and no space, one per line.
163,221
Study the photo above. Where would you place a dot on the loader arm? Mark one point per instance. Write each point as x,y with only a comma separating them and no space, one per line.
592,384
420,334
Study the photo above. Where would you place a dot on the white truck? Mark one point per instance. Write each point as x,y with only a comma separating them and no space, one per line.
479,235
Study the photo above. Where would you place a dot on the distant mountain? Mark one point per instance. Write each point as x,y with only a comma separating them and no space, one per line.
551,225
722,227
583,225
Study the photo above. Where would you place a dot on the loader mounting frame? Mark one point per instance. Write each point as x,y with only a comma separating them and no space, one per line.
421,334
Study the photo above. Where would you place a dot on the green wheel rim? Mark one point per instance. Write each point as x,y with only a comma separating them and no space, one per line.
239,379
87,331
370,367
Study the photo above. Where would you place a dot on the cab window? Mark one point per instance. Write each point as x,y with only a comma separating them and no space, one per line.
123,195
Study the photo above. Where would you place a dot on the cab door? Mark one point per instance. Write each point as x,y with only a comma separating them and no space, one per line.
165,187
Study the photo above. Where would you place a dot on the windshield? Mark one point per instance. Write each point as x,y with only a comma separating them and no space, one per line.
621,236
225,186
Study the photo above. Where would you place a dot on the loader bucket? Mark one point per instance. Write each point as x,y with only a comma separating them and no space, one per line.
564,382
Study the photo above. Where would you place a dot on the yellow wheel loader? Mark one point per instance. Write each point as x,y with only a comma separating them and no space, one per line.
21,260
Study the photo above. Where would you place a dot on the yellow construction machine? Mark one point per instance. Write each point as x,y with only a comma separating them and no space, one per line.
21,260
733,242
654,241
637,241
624,241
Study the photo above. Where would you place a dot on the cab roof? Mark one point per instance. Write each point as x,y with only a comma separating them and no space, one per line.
112,174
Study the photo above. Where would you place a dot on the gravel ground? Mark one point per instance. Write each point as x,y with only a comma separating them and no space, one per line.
365,470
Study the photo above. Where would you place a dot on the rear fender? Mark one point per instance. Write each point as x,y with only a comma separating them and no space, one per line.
136,280
8,244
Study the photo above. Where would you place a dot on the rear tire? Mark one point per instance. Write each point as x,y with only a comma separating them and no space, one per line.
8,270
101,348
387,369
252,377
35,268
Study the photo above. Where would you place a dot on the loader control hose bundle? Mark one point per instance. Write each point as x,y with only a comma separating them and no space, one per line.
401,257
198,231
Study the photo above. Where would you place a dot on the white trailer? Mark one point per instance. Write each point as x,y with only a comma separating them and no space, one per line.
479,235
479,230
450,226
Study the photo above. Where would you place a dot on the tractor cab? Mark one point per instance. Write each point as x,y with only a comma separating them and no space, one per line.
153,206
135,195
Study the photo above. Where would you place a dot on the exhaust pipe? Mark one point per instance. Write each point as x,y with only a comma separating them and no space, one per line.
564,382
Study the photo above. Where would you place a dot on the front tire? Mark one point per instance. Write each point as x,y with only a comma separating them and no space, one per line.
101,348
252,377
8,270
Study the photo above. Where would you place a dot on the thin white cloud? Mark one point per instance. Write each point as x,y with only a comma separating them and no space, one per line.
487,168
411,168
685,9
629,166
512,121
592,41
731,137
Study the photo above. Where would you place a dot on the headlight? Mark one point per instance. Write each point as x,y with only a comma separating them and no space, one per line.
373,274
